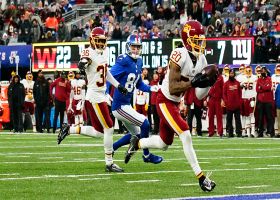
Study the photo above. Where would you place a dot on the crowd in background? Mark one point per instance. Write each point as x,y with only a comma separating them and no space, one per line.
43,21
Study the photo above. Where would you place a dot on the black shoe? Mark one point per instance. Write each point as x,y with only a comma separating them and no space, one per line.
113,168
207,185
133,147
64,131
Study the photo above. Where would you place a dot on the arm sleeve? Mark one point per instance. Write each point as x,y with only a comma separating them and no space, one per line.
225,94
53,85
134,98
71,97
112,80
83,94
142,86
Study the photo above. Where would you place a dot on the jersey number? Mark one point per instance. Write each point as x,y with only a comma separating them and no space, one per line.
102,69
176,56
77,90
130,81
249,86
28,91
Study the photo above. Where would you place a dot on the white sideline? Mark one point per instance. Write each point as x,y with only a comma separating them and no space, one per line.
252,186
92,179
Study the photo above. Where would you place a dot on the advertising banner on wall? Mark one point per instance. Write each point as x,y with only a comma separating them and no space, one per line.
9,55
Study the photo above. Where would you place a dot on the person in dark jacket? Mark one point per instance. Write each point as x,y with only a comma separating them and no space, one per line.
232,94
16,96
41,97
265,101
62,94
155,81
194,110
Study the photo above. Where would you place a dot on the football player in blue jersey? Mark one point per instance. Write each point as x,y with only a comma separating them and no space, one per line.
127,71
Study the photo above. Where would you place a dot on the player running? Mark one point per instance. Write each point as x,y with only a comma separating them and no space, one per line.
93,63
185,71
127,71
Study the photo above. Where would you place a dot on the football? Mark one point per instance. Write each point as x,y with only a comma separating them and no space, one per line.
211,71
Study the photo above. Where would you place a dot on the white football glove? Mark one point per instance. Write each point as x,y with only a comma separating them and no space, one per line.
108,99
154,88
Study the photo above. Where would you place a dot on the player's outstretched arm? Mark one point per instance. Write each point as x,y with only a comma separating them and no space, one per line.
176,85
115,83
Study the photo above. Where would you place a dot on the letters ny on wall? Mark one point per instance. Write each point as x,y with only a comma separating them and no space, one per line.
65,56
227,50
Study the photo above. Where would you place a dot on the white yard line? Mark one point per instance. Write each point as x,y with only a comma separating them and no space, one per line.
126,173
189,184
17,156
233,164
92,179
46,158
12,174
143,181
252,186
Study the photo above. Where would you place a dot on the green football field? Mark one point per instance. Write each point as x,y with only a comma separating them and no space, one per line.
33,166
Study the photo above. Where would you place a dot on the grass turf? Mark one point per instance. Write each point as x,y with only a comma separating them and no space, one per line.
33,166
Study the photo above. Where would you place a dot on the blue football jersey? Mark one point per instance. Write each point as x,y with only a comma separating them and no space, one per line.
127,72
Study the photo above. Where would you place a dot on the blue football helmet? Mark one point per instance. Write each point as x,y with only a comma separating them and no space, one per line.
133,46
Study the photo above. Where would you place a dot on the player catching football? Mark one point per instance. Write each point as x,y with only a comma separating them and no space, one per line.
93,63
187,68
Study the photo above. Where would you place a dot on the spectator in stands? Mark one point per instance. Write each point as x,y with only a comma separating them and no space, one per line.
86,32
129,10
277,24
243,30
62,93
12,27
195,11
137,20
111,25
238,6
16,96
265,15
75,32
105,21
25,29
118,5
148,22
66,6
176,33
236,31
143,33
155,33
159,12
210,32
2,22
169,34
62,32
256,15
41,98
271,49
218,27
207,10
260,28
219,6
126,32
5,39
231,7
252,29
265,101
260,54
51,22
35,31
117,33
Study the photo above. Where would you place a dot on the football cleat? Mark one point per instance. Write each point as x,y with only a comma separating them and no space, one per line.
64,131
152,159
207,185
113,168
133,147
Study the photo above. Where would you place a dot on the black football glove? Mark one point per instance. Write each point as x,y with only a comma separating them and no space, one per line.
200,80
82,67
122,89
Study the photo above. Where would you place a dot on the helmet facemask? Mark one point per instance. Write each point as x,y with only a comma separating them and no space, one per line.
197,44
99,43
